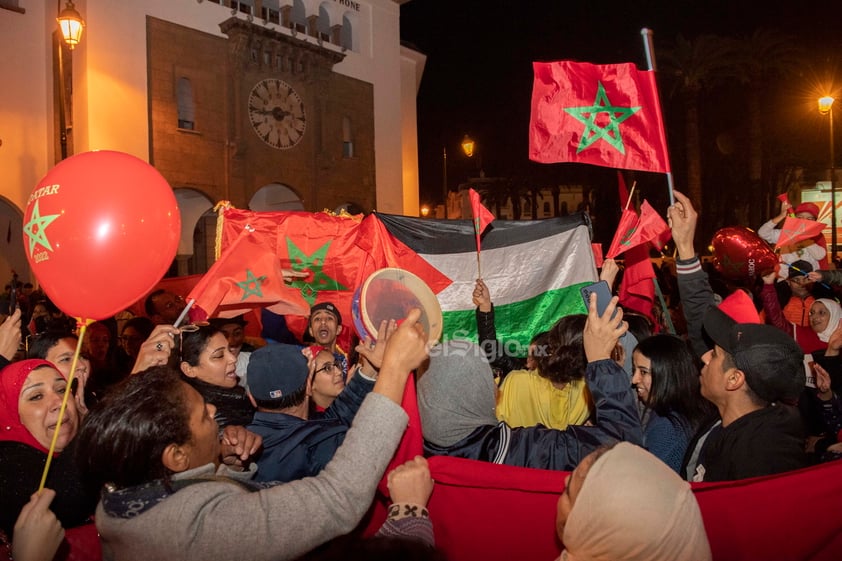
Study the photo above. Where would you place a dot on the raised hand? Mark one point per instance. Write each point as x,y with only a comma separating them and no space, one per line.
37,533
482,296
405,351
682,218
155,351
10,335
372,351
603,332
411,482
609,272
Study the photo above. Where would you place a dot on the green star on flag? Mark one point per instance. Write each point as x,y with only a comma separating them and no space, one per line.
36,228
315,264
610,131
575,105
246,285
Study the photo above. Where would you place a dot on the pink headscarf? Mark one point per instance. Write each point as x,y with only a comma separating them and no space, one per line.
633,506
11,383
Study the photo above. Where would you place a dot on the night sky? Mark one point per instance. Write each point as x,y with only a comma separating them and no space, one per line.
478,76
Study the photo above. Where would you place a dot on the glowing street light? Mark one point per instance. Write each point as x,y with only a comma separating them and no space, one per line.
71,24
826,108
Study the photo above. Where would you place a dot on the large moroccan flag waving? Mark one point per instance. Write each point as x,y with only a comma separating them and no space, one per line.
247,275
605,115
533,269
319,244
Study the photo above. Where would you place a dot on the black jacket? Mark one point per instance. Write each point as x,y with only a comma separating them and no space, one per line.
539,447
763,442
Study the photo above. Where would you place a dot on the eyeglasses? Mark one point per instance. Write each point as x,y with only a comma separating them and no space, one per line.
329,368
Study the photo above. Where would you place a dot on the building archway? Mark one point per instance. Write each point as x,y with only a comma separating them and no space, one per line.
13,256
275,197
198,225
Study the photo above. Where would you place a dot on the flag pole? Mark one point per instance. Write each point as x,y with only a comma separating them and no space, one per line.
667,316
650,61
631,194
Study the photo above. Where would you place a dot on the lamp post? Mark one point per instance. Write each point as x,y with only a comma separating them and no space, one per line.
71,25
826,108
444,177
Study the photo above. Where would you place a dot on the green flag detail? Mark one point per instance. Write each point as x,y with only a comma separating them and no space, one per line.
610,132
315,264
250,281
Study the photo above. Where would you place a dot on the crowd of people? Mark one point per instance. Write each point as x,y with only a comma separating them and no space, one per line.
177,440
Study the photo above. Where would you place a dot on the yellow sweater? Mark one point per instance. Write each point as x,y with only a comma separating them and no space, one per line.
526,400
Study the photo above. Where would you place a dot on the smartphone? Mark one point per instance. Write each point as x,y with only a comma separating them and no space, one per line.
603,295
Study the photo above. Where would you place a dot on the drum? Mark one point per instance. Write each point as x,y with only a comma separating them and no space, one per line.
390,294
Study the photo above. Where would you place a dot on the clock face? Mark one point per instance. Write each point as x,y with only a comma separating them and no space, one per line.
277,114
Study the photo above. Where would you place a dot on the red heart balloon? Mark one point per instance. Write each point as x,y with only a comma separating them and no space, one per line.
100,230
739,253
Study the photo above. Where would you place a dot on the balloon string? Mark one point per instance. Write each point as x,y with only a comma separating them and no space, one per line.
68,392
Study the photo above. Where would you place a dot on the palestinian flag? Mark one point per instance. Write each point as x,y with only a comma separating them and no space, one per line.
533,269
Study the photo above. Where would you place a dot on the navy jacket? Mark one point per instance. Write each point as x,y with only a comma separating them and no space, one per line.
539,447
294,448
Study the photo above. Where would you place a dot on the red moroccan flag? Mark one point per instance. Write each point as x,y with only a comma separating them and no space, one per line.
795,230
320,244
605,115
625,229
482,216
246,275
633,231
637,291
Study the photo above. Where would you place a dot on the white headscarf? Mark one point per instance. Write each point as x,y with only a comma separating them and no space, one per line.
632,506
835,315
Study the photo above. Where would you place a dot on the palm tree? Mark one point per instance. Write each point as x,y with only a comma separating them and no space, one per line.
763,56
694,65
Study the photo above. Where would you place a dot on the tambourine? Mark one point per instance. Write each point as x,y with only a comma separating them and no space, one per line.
390,294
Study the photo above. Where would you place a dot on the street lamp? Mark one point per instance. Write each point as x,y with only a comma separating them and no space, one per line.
826,108
468,146
71,25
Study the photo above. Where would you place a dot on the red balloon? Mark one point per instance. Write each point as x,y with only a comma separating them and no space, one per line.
739,253
100,230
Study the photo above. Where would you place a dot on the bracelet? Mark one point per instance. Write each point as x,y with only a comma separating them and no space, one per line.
407,510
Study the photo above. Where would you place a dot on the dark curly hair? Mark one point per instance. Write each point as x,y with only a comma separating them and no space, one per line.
564,359
121,441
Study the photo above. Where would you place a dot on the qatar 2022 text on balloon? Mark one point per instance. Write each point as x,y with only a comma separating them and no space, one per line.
740,254
99,231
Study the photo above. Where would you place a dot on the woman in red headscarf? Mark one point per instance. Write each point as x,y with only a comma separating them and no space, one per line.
31,393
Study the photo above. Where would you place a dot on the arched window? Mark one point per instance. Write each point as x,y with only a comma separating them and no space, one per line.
347,37
347,138
186,106
324,24
299,16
